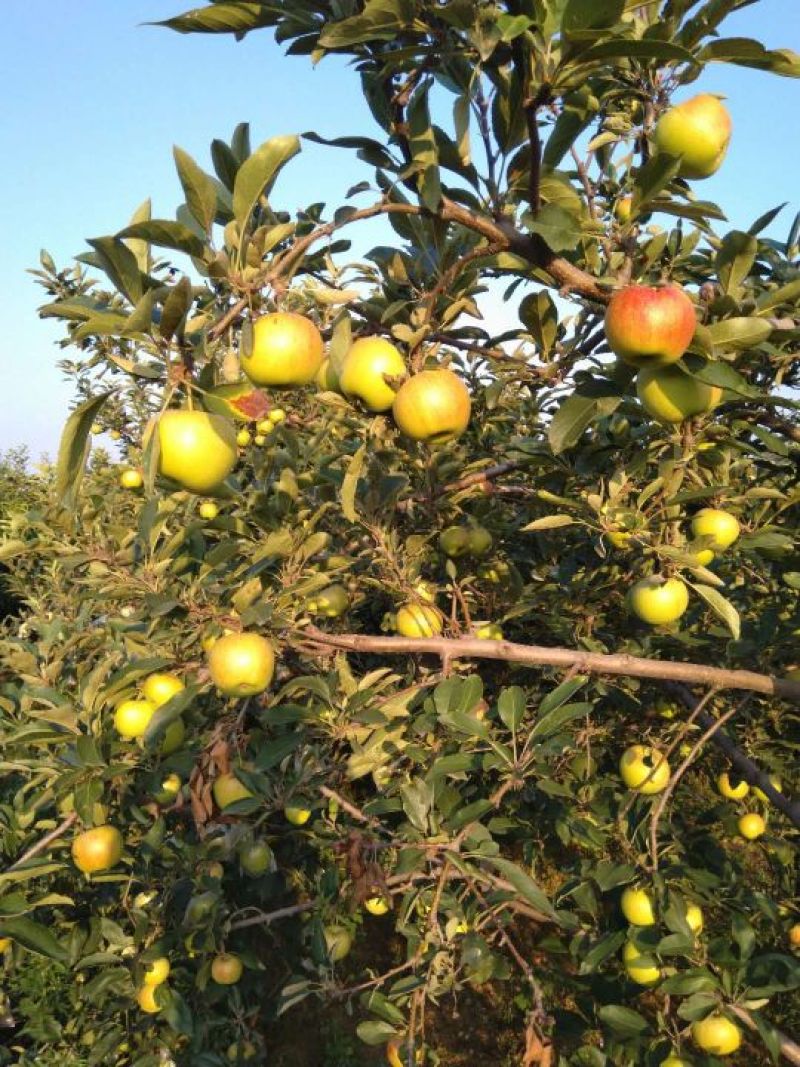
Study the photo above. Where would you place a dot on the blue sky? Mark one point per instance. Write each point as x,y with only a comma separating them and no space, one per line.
101,98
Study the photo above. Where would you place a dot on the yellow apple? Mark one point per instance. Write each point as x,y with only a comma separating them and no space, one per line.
694,918
752,826
670,395
227,789
98,849
641,967
636,765
241,664
333,601
132,717
376,905
716,1034
719,525
338,941
761,795
226,968
157,972
296,814
162,687
699,131
146,999
658,601
287,350
131,479
731,791
366,367
418,620
637,907
197,450
243,438
433,405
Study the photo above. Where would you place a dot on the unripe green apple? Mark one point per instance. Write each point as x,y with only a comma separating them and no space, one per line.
670,395
699,131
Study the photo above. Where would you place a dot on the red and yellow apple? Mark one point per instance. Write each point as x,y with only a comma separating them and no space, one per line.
648,326
699,131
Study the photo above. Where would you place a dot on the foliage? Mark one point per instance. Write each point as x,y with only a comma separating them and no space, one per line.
481,797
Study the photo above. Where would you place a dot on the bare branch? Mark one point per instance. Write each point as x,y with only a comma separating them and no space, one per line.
45,842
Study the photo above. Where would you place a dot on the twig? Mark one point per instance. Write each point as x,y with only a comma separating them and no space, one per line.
351,809
790,1049
47,840
265,918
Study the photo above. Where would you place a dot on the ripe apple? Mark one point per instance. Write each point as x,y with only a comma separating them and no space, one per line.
489,632
648,326
132,718
433,405
227,789
658,601
157,972
703,556
287,350
243,438
296,814
146,999
418,620
671,395
208,510
637,907
720,525
752,825
367,365
641,967
131,479
115,435
694,918
256,858
241,664
716,1034
699,131
226,968
636,765
674,1061
5,944
98,849
327,378
376,905
277,416
731,791
96,428
260,439
333,601
339,941
197,450
241,1051
794,935
161,687
623,209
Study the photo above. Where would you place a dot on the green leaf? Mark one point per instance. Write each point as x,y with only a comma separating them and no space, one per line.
199,188
590,14
141,249
785,294
350,484
33,936
657,173
380,21
511,706
525,886
236,17
549,522
424,151
120,264
417,800
551,723
167,234
745,52
376,1032
559,227
73,449
168,713
624,48
256,176
574,415
561,694
739,333
721,607
623,1021
735,259
724,376
175,309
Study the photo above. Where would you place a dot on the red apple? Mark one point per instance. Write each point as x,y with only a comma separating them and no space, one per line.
648,326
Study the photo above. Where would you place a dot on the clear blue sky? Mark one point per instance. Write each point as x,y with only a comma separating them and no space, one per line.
95,101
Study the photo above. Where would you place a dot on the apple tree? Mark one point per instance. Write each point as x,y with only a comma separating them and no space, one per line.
406,664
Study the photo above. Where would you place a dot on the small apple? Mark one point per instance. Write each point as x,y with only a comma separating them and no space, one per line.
338,941
287,350
637,907
96,428
376,905
5,944
644,769
256,858
720,525
241,664
297,815
366,367
694,918
454,541
479,540
752,826
208,510
794,935
761,795
162,687
433,405
716,1034
264,428
157,972
490,631
671,395
332,601
226,968
277,416
731,791
243,438
623,209
641,967
131,479
648,326
418,620
132,717
170,788
699,131
241,1051
658,601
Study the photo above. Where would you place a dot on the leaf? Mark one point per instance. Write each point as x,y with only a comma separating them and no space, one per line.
417,800
199,188
721,607
350,484
574,415
654,176
236,17
141,249
376,1032
735,259
738,333
623,1021
785,294
764,220
424,151
625,48
166,714
746,52
33,936
724,376
590,14
551,723
549,522
525,886
73,449
167,234
120,264
257,175
561,694
559,227
380,20
511,706
176,307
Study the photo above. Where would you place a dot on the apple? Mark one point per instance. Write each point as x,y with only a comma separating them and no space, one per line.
243,438
199,908
648,326
98,849
658,600
162,687
367,365
327,378
132,717
699,131
131,479
623,209
208,510
752,825
287,350
479,540
671,395
376,905
146,999
296,815
694,918
641,967
716,1034
794,935
703,556
636,765
338,941
620,539
637,907
157,972
731,791
720,525
333,601
226,968
260,439
170,788
227,789
454,541
418,620
256,858
674,1061
197,450
277,416
490,631
433,405
115,435
241,664
241,1051
96,428
761,795
5,944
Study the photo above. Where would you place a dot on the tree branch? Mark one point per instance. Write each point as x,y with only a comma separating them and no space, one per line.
790,1050
47,840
